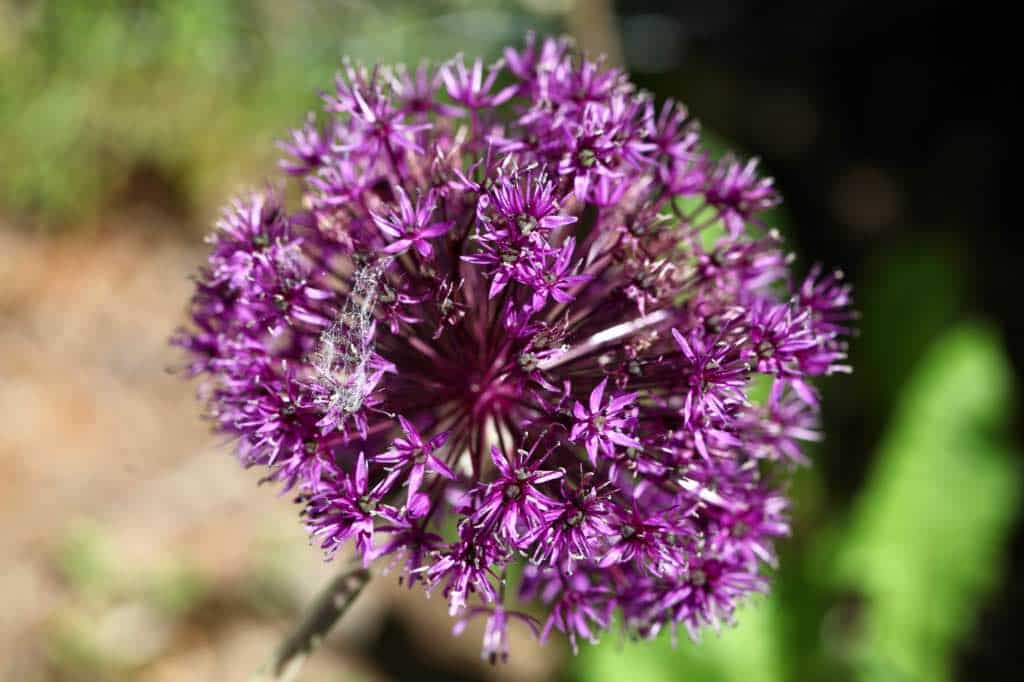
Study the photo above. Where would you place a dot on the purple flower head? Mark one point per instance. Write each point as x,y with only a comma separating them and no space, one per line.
414,455
514,501
549,275
829,299
645,537
673,132
375,122
418,92
350,511
600,425
708,594
508,286
519,207
739,193
579,606
715,372
308,147
574,527
411,226
470,88
467,567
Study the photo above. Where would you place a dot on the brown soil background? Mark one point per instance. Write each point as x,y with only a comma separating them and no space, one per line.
135,547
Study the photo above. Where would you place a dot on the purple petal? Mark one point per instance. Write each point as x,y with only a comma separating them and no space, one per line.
597,395
440,467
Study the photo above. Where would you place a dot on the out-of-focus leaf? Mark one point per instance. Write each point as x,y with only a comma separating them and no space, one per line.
923,275
107,101
927,533
749,651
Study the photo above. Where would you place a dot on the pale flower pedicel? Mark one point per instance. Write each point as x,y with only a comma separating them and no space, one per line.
516,317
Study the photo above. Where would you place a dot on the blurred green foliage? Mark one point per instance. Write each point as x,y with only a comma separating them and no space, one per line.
749,652
117,102
887,593
85,560
926,537
926,277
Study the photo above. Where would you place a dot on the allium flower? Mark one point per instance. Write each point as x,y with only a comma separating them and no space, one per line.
602,427
411,227
489,333
413,456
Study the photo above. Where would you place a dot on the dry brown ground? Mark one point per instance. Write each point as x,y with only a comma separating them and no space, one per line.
133,546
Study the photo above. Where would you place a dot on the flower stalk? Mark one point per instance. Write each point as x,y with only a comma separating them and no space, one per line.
322,614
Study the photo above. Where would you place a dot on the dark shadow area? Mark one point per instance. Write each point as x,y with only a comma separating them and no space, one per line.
887,127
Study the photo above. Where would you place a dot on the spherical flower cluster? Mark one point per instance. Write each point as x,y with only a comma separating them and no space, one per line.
519,317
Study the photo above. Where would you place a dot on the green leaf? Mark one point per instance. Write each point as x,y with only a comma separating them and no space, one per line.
748,651
927,534
922,275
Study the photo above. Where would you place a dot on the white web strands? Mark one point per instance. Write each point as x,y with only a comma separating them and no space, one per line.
343,356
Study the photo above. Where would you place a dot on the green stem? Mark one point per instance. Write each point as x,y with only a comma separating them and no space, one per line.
328,607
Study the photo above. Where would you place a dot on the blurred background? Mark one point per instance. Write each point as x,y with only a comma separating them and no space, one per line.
133,546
